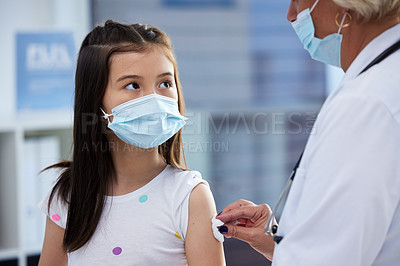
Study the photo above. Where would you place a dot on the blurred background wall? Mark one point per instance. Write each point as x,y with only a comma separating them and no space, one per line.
252,94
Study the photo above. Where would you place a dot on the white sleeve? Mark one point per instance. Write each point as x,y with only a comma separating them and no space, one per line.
190,180
58,210
350,191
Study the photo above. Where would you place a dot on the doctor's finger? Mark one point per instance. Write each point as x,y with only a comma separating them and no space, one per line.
241,221
253,213
237,204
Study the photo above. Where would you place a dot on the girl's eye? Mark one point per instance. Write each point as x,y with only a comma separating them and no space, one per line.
165,85
132,86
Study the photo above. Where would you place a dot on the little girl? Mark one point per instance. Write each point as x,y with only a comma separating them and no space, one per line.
126,198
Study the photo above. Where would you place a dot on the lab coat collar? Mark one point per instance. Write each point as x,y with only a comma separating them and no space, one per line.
372,50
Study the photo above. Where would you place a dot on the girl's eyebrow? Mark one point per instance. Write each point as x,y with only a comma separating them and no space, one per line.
129,77
140,77
165,74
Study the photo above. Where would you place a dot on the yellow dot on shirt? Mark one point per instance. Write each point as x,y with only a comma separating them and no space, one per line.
177,235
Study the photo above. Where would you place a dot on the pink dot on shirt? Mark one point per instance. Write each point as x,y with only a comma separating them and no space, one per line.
117,251
56,217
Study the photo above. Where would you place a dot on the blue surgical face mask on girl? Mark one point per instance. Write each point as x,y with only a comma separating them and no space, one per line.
325,50
146,122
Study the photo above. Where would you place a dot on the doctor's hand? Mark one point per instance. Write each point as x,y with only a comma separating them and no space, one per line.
245,220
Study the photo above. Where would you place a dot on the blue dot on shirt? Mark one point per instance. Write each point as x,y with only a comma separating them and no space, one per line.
143,199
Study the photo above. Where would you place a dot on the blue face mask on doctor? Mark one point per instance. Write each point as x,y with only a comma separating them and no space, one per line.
326,50
146,122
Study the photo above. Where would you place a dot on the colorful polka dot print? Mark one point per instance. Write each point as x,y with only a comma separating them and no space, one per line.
55,217
117,250
143,199
177,235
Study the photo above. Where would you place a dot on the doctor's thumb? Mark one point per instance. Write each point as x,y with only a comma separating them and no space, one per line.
238,232
257,239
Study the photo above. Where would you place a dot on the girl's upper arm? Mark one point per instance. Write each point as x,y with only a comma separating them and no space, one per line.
200,245
52,251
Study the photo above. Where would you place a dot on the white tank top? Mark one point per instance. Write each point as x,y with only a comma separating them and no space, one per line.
145,227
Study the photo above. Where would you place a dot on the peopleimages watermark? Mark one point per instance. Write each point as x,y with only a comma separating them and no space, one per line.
258,123
228,123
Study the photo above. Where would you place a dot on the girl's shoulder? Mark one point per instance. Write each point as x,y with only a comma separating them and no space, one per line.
180,177
183,174
178,186
181,182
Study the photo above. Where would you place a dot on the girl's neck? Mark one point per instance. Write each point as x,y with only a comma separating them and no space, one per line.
134,166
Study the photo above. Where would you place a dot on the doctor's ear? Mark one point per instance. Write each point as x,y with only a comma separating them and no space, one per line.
344,10
344,19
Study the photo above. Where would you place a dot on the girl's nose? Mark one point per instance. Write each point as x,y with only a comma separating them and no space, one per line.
149,90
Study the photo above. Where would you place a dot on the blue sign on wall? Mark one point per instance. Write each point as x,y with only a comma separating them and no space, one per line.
45,70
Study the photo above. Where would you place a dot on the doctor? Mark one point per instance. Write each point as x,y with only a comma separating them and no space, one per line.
344,203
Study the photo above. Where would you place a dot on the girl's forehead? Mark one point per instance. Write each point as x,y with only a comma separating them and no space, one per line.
150,52
152,60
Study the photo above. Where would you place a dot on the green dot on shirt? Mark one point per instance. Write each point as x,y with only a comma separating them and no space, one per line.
143,199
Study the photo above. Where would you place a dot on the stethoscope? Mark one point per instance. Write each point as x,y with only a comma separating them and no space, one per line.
271,228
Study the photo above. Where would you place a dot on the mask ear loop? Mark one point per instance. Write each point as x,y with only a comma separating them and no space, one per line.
312,8
342,25
105,116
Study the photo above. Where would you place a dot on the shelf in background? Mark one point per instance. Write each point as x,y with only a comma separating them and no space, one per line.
37,120
6,254
32,251
15,132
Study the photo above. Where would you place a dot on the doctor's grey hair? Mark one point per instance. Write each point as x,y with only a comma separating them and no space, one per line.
372,10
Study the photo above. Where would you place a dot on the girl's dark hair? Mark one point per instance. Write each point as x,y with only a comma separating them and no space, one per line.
82,184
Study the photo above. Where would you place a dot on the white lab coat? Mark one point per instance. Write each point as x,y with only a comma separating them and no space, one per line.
343,207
